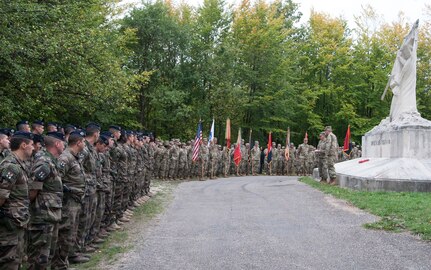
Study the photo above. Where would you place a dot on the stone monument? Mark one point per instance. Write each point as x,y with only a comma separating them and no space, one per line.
396,154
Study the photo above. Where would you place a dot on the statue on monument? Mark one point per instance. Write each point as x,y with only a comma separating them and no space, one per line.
402,80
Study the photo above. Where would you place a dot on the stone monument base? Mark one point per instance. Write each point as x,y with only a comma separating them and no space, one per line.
385,174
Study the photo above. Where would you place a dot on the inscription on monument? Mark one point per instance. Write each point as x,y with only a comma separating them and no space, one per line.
380,142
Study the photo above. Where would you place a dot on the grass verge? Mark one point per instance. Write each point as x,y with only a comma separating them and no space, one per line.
118,241
399,211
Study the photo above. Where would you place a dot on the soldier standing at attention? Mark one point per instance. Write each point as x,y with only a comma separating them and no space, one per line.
89,158
331,147
4,146
46,195
321,158
302,157
73,179
14,201
37,127
23,125
255,158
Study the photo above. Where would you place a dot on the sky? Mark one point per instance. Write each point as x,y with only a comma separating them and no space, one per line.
388,9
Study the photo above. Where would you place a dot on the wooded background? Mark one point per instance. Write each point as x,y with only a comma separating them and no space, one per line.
163,67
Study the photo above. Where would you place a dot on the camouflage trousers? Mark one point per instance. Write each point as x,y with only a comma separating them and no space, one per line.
12,245
331,169
118,199
302,165
133,188
109,215
290,167
42,240
255,167
182,169
173,169
100,211
148,174
86,220
280,167
67,233
126,195
243,167
323,169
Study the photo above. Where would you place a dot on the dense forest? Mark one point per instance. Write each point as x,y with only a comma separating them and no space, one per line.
162,67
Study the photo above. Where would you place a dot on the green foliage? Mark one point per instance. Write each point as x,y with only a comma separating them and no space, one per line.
163,67
399,211
62,61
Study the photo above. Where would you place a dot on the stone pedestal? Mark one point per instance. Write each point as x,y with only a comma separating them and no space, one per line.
396,156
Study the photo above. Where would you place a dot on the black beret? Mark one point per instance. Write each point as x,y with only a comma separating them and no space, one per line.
104,139
78,133
107,134
37,138
52,124
130,132
70,126
57,135
7,131
22,122
93,125
115,127
23,134
39,122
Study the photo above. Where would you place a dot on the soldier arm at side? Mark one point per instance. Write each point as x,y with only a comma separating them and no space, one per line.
2,201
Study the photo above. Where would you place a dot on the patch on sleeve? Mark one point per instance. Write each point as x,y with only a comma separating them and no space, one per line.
42,172
10,174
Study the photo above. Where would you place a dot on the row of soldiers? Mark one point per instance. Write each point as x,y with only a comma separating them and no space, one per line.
174,160
63,192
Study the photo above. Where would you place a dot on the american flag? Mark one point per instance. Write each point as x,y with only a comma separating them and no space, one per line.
198,141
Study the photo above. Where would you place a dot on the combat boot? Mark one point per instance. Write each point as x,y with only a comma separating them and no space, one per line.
124,219
78,259
323,181
332,182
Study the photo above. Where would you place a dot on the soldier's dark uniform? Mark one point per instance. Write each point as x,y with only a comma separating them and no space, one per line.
14,213
45,210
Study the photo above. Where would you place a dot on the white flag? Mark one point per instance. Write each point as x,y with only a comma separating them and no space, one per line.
211,136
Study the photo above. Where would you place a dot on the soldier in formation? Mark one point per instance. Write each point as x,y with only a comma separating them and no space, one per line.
60,200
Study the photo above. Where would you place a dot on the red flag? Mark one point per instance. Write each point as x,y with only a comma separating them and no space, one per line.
306,135
237,152
269,153
347,145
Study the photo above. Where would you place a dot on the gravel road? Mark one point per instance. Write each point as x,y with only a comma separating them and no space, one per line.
267,223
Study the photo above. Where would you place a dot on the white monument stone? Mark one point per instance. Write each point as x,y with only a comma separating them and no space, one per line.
396,154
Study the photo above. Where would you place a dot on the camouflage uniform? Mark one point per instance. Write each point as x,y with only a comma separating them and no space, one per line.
88,213
302,156
101,195
280,160
291,162
3,154
331,147
72,175
213,161
244,159
173,162
255,159
108,189
182,163
321,158
204,156
14,213
119,168
45,210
